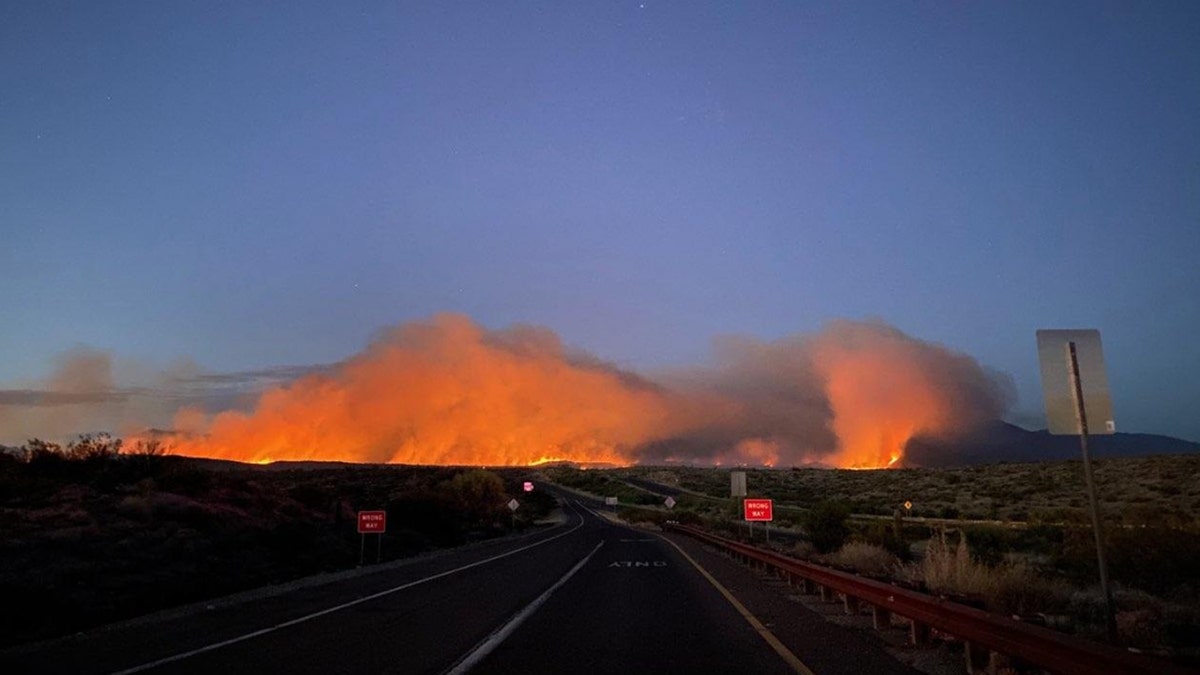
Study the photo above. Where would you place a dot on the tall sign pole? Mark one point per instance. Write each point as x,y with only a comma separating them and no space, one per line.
1093,505
737,488
1074,383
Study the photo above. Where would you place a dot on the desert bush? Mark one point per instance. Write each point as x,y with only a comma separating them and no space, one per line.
1156,559
635,515
803,549
93,448
826,525
479,496
1011,588
884,535
866,558
989,543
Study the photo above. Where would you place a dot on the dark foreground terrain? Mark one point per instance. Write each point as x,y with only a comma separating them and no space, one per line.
90,538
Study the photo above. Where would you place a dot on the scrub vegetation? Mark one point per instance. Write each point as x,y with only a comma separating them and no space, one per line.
92,532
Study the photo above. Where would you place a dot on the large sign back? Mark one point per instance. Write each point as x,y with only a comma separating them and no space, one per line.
1058,385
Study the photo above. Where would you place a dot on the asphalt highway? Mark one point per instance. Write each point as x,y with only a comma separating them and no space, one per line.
586,596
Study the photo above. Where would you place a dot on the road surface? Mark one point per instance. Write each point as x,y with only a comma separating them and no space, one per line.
586,596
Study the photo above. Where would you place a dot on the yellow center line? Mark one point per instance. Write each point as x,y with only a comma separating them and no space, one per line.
781,649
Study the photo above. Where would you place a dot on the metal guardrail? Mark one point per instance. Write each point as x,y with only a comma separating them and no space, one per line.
986,635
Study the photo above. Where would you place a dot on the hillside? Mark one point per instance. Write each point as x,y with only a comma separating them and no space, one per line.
1004,442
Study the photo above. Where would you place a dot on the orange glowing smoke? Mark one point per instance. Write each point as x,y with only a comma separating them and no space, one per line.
447,391
884,388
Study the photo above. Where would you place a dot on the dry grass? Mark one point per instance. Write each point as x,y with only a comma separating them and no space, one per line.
865,558
1010,587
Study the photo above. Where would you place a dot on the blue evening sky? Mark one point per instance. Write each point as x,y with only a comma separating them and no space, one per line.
252,184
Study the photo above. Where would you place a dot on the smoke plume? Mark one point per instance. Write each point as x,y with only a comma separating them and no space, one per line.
448,391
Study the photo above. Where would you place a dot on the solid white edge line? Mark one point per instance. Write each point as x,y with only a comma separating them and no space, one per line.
263,631
481,651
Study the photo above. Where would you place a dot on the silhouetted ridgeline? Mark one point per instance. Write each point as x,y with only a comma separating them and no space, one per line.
1004,442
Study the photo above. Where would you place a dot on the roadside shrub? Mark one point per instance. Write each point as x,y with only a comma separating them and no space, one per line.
989,543
884,535
635,515
865,558
1014,588
826,526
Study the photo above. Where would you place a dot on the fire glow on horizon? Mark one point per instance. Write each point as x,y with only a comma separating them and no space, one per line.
447,391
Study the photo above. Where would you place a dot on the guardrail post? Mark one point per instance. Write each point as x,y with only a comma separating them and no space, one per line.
919,633
850,603
826,594
977,657
880,618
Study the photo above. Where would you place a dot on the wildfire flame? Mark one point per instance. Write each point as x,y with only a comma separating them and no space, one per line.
447,391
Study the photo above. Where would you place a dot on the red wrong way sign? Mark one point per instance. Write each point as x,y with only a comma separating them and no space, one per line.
372,522
758,509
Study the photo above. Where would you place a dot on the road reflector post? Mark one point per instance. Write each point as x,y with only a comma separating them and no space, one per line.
1074,384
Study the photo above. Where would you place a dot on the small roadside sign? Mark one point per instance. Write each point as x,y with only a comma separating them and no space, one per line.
908,505
670,502
610,501
758,509
372,522
514,505
528,486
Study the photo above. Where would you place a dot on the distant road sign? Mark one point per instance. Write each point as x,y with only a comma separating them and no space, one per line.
528,486
670,502
737,484
372,522
908,505
610,501
514,505
1058,382
758,509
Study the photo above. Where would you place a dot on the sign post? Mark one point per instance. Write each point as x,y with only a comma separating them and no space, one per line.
737,488
1065,356
371,522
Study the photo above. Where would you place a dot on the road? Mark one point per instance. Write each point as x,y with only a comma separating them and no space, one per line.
587,596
